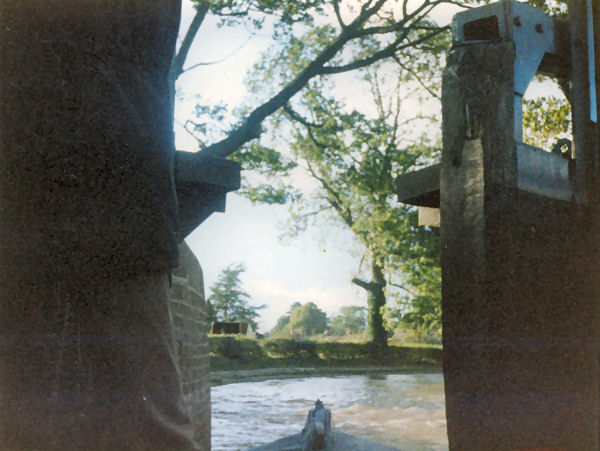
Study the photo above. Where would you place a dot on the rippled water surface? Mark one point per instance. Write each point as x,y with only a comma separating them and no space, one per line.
401,410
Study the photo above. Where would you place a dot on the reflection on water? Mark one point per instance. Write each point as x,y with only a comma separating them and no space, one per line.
401,410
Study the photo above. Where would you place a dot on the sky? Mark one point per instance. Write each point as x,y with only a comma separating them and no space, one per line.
318,265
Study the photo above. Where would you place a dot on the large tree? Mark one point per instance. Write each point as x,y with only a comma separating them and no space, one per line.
303,320
351,319
284,320
229,302
316,40
353,157
353,35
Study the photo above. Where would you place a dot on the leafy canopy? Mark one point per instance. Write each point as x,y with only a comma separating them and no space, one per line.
303,320
354,157
327,37
546,120
350,320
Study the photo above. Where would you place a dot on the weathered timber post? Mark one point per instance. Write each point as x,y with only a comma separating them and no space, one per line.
97,351
520,234
471,176
584,97
520,268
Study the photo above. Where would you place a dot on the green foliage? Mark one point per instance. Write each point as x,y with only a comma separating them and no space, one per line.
354,155
280,347
229,302
546,120
303,320
407,336
255,12
284,320
417,303
269,194
308,320
261,158
553,7
351,320
343,351
280,325
229,352
355,158
332,351
232,347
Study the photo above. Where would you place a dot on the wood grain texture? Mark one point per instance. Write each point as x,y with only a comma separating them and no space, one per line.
520,271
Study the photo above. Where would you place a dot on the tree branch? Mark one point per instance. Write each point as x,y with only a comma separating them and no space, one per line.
176,68
314,139
251,128
298,118
392,143
324,146
309,128
312,214
406,18
387,52
417,78
358,64
334,200
376,90
209,63
191,133
338,14
361,283
402,287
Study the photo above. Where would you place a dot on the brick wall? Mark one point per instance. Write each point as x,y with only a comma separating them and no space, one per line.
190,318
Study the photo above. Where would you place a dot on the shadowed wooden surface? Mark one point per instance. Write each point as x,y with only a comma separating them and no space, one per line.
343,442
520,279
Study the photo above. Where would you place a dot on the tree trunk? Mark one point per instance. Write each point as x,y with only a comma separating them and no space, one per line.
375,300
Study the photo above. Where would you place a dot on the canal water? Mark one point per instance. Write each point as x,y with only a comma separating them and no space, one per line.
401,410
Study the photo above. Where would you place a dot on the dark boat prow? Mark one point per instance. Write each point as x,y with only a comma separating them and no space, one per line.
318,434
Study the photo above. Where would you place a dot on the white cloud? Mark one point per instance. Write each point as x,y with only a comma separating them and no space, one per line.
316,266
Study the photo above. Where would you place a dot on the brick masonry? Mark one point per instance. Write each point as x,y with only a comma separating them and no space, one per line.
190,321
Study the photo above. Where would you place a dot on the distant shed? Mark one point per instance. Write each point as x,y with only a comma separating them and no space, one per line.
239,327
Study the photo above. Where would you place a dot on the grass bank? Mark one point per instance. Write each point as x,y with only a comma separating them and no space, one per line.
237,359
